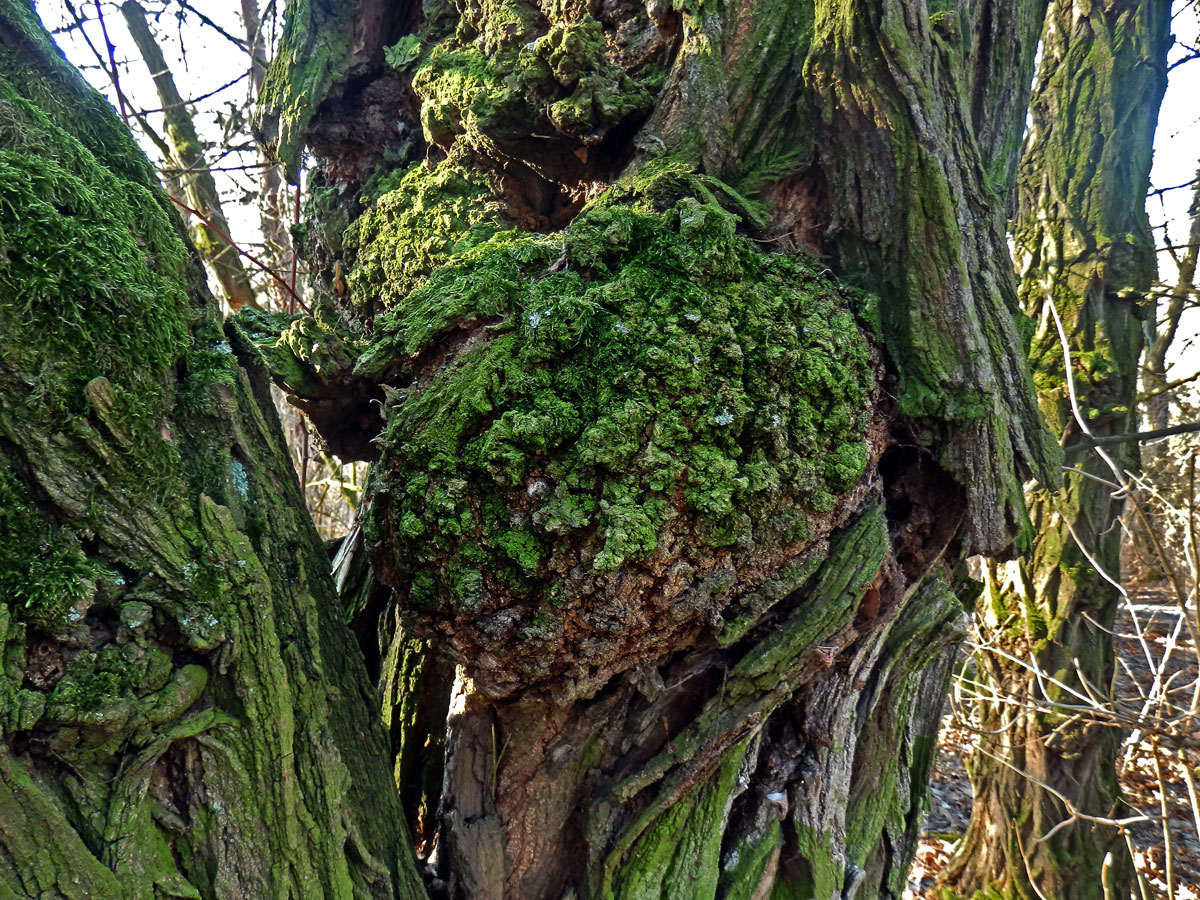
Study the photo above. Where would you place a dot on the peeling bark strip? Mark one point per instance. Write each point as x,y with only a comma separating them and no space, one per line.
182,711
681,511
1084,244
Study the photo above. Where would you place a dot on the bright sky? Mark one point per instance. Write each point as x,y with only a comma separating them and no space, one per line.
211,61
203,61
1177,162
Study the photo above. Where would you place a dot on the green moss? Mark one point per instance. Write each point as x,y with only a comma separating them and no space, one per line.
210,367
819,871
678,856
522,548
741,880
91,682
421,219
601,93
93,298
301,352
315,54
463,93
403,53
489,84
845,465
750,607
648,372
91,266
44,574
64,99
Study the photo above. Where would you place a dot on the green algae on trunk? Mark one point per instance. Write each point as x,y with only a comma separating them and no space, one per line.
181,709
1086,254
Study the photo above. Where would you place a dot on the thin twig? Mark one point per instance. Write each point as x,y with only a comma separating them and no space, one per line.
112,62
1107,440
248,256
192,100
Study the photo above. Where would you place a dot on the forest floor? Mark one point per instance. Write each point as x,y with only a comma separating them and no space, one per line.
950,792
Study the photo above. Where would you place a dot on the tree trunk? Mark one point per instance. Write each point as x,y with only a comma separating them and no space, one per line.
695,339
1155,542
275,216
1161,336
183,712
1084,248
187,155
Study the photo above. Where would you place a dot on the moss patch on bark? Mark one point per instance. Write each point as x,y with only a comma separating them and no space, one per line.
645,395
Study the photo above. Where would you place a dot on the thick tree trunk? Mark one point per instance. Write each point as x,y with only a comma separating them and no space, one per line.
183,712
1084,248
657,556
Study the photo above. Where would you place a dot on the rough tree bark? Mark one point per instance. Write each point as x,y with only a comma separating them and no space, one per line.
183,712
699,358
1084,247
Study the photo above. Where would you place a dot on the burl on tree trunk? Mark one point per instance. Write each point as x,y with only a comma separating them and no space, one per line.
685,342
697,349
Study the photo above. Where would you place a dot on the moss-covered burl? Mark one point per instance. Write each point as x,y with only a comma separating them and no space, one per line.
683,341
605,434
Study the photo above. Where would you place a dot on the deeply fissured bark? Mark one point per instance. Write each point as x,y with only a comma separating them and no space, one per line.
1086,251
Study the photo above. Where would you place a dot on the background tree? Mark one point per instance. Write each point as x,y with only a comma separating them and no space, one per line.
1160,339
186,153
1159,535
1044,770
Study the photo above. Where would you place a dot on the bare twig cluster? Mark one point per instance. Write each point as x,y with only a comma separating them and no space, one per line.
214,171
1159,708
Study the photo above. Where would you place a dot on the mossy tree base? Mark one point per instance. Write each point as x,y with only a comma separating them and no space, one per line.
726,534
